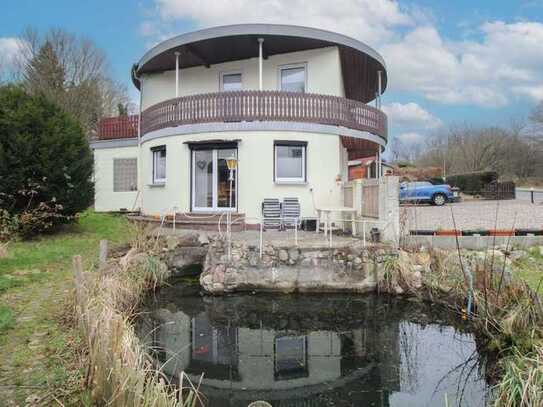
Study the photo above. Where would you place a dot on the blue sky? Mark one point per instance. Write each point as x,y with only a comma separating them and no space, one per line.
471,61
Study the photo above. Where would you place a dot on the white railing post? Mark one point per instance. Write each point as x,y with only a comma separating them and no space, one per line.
260,57
177,74
261,237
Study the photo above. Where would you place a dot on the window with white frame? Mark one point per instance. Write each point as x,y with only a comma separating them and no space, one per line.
293,78
231,81
290,161
159,164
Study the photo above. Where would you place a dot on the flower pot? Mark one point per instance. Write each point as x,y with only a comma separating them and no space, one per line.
451,232
422,232
474,232
528,232
502,232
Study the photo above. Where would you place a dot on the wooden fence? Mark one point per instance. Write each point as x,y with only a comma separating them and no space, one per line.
498,190
370,199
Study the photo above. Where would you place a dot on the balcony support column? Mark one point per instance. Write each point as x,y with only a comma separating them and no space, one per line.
379,89
260,57
177,74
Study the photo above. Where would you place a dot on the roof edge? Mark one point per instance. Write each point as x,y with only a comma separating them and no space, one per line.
254,29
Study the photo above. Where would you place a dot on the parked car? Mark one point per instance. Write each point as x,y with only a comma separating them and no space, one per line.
423,191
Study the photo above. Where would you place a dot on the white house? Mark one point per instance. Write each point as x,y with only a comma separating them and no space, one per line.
287,106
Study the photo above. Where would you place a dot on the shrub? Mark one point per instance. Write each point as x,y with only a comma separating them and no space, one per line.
8,225
45,162
472,183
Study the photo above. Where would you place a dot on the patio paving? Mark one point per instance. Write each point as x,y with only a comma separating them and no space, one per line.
512,214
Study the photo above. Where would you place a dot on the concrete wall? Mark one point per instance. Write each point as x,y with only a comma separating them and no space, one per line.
105,199
388,221
472,242
256,166
323,76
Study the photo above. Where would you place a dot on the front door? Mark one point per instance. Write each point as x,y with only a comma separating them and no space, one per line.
213,185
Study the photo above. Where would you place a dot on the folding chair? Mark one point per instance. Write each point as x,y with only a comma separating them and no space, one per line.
271,213
290,213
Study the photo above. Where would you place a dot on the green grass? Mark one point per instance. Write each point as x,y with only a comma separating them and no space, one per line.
38,347
530,269
6,319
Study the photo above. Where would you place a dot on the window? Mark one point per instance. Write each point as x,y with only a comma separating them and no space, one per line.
125,174
159,165
290,162
292,78
230,82
290,357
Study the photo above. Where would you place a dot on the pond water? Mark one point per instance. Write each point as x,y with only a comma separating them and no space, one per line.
314,350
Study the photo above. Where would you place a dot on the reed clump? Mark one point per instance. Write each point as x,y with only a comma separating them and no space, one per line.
119,370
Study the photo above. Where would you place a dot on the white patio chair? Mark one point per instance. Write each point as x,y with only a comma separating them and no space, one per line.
271,213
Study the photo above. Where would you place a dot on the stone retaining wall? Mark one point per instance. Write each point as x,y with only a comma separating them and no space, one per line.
288,269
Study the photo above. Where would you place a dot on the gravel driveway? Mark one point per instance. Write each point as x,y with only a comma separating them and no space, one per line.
473,215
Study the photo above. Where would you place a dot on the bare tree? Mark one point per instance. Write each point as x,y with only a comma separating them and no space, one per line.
512,152
72,72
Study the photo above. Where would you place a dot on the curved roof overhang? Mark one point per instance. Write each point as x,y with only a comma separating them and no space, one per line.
360,63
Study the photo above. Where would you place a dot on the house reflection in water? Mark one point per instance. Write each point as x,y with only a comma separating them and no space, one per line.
288,367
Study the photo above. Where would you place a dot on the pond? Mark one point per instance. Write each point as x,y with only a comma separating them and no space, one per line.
315,350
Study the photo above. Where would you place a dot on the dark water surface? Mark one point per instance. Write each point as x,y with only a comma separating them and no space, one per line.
318,350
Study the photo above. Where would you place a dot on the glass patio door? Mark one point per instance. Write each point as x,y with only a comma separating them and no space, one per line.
212,187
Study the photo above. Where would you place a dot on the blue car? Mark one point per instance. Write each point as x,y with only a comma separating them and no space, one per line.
423,191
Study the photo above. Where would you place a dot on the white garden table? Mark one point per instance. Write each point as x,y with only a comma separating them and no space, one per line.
324,214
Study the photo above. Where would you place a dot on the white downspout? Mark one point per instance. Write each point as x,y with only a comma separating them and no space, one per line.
379,89
260,41
176,74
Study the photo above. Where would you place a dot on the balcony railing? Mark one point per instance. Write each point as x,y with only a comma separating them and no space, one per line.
240,106
118,127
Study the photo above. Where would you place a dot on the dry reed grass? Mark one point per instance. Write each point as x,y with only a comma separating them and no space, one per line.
120,372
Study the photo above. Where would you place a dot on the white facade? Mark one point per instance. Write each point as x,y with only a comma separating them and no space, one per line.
106,200
321,152
323,76
255,178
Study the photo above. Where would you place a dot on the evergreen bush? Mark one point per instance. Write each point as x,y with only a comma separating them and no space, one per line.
45,162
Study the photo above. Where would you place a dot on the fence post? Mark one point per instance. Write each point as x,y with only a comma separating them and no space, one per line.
77,265
103,253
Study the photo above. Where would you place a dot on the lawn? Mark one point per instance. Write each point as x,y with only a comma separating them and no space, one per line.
38,345
530,268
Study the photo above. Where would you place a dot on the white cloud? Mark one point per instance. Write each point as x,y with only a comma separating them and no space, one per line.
501,62
372,21
10,49
411,116
506,62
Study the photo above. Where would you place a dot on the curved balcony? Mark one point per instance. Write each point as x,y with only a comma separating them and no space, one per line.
265,106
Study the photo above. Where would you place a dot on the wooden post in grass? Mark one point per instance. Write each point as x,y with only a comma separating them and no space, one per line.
103,253
78,273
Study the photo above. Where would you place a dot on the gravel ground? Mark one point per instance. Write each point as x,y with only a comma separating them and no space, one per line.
473,215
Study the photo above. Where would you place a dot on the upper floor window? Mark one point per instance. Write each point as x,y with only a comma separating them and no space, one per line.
290,161
293,78
159,164
231,81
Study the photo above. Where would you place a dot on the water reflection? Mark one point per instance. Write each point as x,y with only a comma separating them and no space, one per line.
315,351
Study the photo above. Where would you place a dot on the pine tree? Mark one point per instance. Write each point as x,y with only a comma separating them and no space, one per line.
44,74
